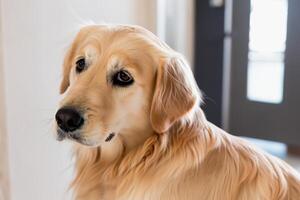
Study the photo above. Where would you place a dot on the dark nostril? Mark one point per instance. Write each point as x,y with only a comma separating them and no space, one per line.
68,119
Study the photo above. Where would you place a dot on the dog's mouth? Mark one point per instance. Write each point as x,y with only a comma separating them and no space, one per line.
110,137
77,137
62,135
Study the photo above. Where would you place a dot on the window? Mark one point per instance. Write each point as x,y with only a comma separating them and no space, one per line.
267,43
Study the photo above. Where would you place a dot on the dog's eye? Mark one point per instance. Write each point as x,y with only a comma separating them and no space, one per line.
80,65
122,78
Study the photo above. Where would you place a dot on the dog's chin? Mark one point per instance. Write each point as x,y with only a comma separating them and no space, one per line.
85,142
79,137
82,141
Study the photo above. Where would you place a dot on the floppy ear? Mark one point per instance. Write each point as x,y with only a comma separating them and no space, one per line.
66,71
176,93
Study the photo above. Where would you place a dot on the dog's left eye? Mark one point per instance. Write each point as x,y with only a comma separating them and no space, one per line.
122,78
80,65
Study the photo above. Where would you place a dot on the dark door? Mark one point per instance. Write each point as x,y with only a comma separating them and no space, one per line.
265,70
209,37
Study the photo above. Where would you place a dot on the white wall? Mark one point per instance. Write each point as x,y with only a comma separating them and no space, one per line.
4,179
35,35
176,26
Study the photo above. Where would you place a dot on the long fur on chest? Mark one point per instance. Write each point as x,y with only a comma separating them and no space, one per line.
193,158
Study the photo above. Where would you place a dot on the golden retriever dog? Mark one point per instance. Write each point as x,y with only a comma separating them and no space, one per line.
131,106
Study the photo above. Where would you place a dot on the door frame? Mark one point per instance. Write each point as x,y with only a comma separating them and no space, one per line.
208,59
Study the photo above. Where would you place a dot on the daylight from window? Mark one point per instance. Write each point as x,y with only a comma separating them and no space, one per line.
267,44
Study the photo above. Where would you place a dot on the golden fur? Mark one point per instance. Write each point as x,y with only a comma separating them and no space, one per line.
164,147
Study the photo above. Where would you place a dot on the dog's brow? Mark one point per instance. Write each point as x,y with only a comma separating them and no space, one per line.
78,57
113,63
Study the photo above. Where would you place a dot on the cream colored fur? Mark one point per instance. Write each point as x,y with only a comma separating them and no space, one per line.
164,147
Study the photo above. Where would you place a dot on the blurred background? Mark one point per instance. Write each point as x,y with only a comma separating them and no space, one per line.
245,56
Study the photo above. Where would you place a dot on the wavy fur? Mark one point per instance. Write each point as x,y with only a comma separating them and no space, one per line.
177,154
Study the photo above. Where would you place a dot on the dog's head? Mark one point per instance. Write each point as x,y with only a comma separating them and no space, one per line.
121,81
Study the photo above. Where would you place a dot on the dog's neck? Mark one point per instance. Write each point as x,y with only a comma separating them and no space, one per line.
93,170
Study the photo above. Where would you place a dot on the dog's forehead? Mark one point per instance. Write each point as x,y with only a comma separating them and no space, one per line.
128,43
117,37
109,34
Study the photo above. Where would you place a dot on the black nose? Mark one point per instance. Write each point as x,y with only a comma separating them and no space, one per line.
68,119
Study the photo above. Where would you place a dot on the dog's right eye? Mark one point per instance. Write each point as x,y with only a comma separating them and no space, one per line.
80,65
122,78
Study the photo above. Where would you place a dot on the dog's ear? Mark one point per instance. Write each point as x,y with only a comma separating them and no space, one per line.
176,93
66,71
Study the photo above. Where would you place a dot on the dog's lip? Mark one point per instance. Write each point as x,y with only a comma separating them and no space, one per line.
61,135
110,137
